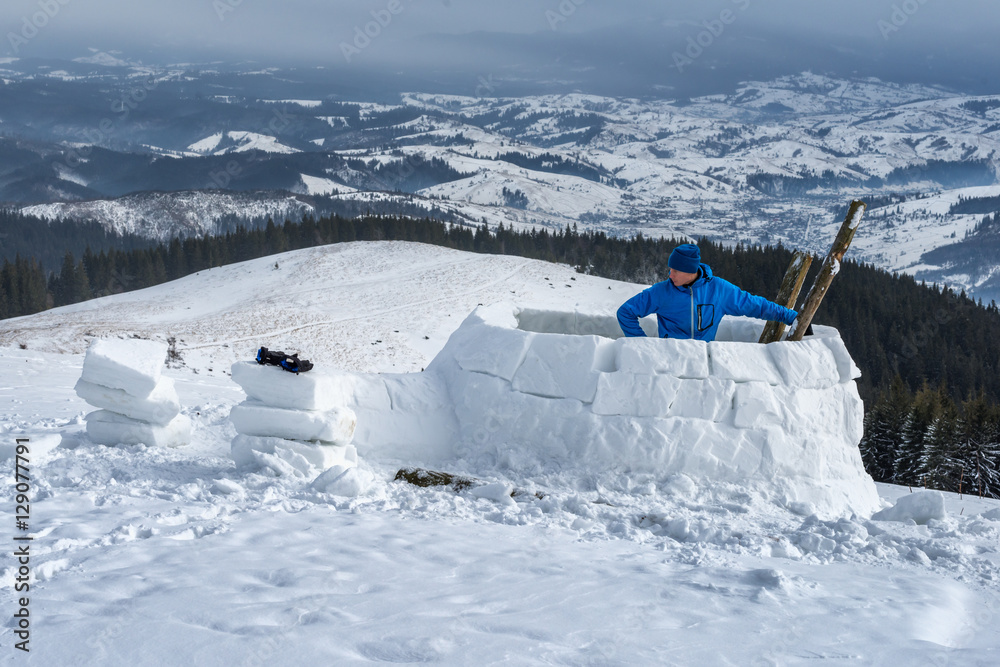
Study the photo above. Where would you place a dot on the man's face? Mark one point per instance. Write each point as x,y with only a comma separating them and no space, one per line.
680,278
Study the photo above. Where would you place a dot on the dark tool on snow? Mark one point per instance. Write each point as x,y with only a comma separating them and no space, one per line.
289,362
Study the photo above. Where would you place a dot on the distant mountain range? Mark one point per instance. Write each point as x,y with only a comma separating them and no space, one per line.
179,150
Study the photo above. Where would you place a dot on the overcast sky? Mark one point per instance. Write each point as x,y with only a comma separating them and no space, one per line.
632,37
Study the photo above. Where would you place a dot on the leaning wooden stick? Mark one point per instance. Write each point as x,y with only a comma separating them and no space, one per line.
788,293
831,266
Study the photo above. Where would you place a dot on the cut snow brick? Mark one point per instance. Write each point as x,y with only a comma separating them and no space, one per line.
308,391
678,357
335,426
132,365
494,351
710,399
919,507
756,405
159,406
742,362
109,428
559,367
254,451
624,393
806,363
845,364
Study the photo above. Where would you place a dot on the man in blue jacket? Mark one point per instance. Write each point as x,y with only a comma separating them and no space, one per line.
693,301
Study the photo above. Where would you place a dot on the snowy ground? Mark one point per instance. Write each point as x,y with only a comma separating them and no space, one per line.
173,556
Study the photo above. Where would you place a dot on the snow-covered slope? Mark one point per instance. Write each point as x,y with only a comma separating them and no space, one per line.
165,215
157,556
223,143
769,162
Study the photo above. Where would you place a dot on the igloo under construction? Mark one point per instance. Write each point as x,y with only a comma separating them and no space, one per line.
532,391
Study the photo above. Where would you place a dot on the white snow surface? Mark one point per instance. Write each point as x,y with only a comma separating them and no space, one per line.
162,556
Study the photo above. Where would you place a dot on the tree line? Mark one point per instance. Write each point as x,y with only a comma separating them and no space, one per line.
927,439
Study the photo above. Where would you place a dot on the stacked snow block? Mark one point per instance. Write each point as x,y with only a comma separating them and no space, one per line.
139,405
291,423
529,389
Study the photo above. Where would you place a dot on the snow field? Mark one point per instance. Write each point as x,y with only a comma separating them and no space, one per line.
149,555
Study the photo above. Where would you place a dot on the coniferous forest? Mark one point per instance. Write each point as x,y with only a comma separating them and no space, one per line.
930,357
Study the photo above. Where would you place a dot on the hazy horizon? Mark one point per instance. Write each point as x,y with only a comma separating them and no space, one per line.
640,47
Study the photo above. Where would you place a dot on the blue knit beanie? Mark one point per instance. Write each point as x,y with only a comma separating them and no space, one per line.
686,258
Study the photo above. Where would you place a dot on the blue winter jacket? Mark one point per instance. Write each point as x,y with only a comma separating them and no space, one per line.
695,311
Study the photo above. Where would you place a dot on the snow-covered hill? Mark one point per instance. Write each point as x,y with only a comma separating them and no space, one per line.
769,162
166,215
156,556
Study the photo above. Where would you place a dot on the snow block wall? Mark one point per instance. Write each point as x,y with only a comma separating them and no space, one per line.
291,423
138,404
541,391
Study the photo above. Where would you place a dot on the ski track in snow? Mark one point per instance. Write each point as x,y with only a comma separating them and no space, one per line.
166,556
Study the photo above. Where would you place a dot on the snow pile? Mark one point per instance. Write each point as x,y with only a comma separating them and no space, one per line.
919,507
538,393
138,404
292,423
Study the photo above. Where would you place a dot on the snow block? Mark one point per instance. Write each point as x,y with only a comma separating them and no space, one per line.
559,366
919,507
676,357
132,365
576,323
347,482
845,364
739,329
416,392
742,362
624,393
710,399
159,406
307,391
284,456
109,428
806,363
335,426
494,351
756,405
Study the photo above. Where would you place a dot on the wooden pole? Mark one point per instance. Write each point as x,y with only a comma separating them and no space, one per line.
831,266
788,293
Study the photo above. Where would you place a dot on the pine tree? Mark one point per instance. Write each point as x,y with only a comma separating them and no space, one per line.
978,447
924,410
884,431
940,467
